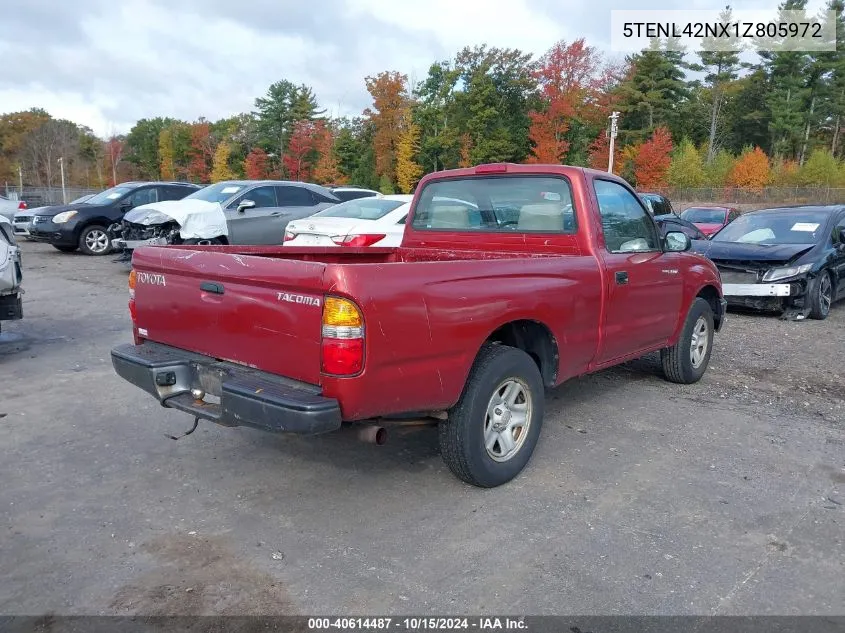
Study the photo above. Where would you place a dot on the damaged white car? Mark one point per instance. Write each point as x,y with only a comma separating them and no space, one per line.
11,274
228,212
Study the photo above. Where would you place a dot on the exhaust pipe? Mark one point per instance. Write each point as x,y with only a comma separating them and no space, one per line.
373,434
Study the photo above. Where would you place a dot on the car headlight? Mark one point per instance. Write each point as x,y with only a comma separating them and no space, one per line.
773,274
64,216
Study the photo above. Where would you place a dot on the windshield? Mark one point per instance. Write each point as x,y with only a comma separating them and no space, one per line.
774,228
82,199
109,195
361,209
220,192
704,215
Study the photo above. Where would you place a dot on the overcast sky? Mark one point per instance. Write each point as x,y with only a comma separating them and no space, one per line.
107,65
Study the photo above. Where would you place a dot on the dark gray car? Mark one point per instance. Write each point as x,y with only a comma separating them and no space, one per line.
257,211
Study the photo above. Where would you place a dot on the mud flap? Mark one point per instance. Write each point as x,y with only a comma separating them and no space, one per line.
11,307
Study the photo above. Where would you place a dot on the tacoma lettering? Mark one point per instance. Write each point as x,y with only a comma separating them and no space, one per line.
293,298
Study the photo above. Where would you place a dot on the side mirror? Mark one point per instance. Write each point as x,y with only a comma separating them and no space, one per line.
677,242
245,204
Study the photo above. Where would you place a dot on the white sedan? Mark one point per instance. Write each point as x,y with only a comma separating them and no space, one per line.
375,221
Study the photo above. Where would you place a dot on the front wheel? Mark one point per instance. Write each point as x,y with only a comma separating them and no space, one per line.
821,296
687,360
492,431
94,240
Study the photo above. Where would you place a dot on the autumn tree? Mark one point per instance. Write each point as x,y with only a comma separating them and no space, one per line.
114,154
567,75
598,154
408,171
686,168
718,171
751,170
390,101
201,152
255,164
301,152
652,161
165,154
220,169
784,172
466,151
327,167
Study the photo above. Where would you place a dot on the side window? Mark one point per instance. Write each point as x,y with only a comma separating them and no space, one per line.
175,193
626,225
662,207
143,196
290,196
262,197
837,231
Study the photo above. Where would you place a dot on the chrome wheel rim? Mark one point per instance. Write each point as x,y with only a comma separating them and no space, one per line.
700,338
507,420
825,293
97,241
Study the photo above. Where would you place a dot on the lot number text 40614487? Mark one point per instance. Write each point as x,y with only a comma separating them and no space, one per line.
419,624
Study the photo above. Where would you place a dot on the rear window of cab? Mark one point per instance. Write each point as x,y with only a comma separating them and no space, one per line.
504,204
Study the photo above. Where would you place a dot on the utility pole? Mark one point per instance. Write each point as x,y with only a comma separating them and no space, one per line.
614,129
61,162
20,182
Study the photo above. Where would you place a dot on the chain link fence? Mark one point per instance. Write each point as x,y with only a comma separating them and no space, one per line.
761,197
46,196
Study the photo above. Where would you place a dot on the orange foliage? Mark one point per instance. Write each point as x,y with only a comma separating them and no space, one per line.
751,170
466,150
567,78
599,154
300,154
327,169
255,164
651,163
202,152
389,103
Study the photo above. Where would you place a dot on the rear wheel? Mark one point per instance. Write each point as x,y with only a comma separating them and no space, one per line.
65,249
687,360
821,296
493,429
94,240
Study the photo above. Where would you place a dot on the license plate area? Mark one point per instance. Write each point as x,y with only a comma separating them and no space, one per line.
209,378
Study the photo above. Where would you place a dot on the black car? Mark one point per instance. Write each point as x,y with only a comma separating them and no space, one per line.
666,218
84,225
790,259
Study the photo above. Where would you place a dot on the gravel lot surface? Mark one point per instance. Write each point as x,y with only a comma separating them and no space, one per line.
725,497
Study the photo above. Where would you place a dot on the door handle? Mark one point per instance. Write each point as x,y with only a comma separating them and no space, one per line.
212,287
621,277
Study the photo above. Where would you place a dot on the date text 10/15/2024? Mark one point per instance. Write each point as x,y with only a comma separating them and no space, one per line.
418,624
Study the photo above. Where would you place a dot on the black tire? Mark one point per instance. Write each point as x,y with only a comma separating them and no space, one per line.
91,240
821,296
678,364
462,436
65,249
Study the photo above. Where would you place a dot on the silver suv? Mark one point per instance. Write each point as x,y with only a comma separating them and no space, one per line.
10,273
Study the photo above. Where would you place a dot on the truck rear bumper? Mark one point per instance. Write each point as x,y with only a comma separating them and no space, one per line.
239,396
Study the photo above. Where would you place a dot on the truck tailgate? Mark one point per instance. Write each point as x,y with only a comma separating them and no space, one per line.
260,312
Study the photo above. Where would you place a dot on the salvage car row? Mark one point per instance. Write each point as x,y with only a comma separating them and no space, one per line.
786,260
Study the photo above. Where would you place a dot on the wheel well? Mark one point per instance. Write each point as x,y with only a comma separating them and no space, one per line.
711,296
536,340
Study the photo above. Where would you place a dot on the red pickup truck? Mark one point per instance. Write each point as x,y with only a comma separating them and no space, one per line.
510,279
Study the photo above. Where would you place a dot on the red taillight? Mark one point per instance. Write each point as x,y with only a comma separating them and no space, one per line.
342,346
343,357
358,240
21,205
289,236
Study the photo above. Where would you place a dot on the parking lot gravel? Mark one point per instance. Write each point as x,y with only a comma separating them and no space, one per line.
724,497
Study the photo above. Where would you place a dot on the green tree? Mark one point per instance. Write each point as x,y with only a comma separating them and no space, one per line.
686,168
719,168
165,154
747,113
386,186
279,110
821,168
142,145
720,60
653,94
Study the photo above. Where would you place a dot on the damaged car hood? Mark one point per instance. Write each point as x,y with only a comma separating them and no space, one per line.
738,251
198,219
